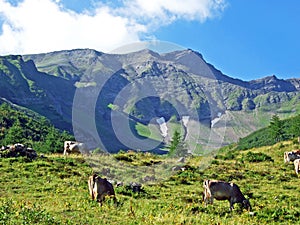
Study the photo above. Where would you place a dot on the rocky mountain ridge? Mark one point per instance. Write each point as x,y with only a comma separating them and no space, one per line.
142,86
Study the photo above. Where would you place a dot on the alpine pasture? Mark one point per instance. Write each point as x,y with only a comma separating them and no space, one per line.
53,190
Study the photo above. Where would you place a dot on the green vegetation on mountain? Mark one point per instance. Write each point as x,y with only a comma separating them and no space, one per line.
22,84
278,130
34,131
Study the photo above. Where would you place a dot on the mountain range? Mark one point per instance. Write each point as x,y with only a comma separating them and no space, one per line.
137,100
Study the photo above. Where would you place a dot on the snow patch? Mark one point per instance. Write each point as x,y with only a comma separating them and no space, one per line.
215,120
185,120
162,126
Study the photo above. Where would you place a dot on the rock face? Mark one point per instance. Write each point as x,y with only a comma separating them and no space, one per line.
142,86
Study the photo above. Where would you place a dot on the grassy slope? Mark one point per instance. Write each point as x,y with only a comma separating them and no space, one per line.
54,190
242,123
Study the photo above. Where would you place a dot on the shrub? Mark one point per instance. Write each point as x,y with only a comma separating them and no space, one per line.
124,157
256,157
227,156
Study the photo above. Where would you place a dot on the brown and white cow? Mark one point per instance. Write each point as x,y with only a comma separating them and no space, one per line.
74,147
221,190
99,188
291,156
297,165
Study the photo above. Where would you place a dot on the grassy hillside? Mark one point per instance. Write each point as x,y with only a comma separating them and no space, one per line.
277,130
53,190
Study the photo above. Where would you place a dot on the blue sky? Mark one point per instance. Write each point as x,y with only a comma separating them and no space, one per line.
246,39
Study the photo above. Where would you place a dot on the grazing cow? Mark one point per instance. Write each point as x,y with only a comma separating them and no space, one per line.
221,190
99,188
74,147
297,165
291,156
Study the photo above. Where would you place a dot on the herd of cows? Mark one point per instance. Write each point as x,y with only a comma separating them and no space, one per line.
213,189
99,187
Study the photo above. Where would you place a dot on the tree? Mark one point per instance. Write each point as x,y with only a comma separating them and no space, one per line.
53,141
276,128
15,134
294,130
177,146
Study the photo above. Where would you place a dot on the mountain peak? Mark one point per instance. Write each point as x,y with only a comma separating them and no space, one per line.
272,83
146,51
268,79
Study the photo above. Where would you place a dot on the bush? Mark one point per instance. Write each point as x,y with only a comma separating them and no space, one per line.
256,157
124,156
230,155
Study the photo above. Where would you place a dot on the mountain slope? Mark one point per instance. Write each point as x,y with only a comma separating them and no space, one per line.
92,90
22,84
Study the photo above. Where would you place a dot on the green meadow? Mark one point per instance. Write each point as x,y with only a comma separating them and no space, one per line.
53,189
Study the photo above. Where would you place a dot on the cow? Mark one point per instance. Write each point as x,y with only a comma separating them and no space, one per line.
74,147
99,188
221,190
297,165
291,156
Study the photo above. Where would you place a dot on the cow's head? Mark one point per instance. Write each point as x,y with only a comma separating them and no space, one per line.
246,205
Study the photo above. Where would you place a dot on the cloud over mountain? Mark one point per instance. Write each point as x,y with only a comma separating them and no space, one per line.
34,26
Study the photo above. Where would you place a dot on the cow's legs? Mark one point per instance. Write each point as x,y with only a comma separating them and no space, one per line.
231,204
93,195
207,197
296,168
208,200
211,200
101,199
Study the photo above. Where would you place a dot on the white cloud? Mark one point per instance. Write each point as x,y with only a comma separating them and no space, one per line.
167,11
34,26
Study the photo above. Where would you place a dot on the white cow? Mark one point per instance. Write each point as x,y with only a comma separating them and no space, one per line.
291,156
297,165
74,147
